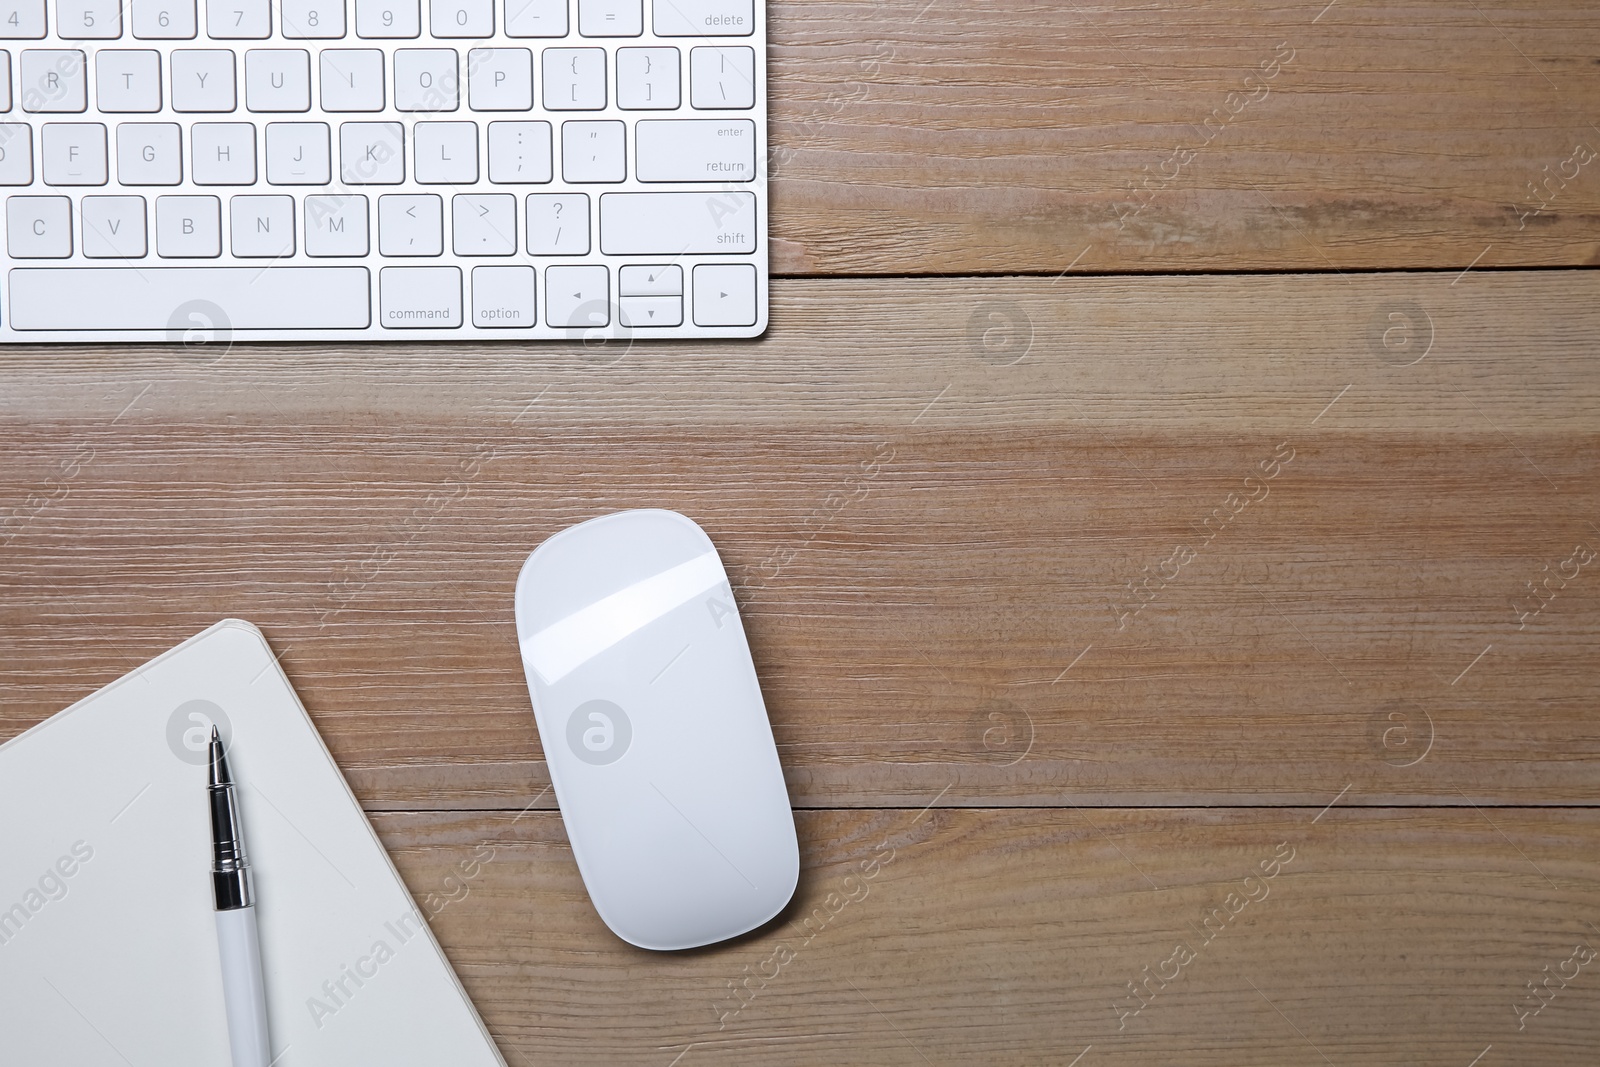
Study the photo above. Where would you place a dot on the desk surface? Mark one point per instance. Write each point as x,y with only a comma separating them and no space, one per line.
1172,570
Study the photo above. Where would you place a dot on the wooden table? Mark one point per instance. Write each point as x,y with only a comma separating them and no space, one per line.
1163,508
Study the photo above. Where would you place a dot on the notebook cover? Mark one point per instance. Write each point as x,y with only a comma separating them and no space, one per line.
108,945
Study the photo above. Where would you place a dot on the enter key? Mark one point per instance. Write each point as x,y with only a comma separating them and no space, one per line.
696,150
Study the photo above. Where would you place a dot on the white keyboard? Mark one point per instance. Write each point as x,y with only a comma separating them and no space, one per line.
382,169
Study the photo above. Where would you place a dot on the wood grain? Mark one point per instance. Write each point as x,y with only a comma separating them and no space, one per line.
1076,598
934,546
912,136
1011,937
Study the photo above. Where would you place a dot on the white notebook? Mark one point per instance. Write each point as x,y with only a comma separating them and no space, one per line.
108,947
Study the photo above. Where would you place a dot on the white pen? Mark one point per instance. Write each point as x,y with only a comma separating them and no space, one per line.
243,990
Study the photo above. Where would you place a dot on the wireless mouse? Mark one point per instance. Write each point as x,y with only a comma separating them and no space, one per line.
655,732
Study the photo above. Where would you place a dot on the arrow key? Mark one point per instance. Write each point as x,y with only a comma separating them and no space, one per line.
652,310
577,297
725,294
652,280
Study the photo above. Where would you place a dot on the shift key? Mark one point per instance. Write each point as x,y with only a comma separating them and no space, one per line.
671,224
696,150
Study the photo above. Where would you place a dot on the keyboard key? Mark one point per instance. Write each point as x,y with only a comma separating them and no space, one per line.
425,80
74,153
503,297
277,79
89,20
419,297
610,18
594,151
149,153
222,153
202,80
113,227
262,225
312,19
661,280
188,227
372,153
574,79
725,294
472,19
22,20
500,79
577,297
638,311
116,298
447,152
411,224
519,152
675,224
722,78
695,150
536,18
388,18
336,225
352,79
647,79
53,81
164,20
704,18
127,80
297,153
484,224
38,227
558,224
16,154
238,20
5,81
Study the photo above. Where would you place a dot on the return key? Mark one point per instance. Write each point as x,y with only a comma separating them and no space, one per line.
696,150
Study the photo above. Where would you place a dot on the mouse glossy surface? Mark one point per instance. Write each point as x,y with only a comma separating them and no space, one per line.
655,732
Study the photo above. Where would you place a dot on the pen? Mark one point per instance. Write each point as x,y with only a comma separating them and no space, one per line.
243,990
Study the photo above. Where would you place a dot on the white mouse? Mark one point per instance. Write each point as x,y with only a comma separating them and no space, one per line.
654,730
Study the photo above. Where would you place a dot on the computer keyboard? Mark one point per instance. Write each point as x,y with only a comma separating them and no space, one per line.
382,169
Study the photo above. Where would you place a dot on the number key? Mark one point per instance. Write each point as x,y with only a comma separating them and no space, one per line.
313,19
228,20
164,20
386,18
21,20
89,20
462,18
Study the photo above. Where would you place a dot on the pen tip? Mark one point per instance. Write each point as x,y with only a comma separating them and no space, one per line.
219,761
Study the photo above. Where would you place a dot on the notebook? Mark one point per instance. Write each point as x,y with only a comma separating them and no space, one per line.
108,947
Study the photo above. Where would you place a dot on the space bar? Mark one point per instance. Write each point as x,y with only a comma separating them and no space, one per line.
180,299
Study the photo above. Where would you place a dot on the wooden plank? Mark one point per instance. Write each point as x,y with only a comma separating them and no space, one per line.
1422,353
934,549
911,136
1012,937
